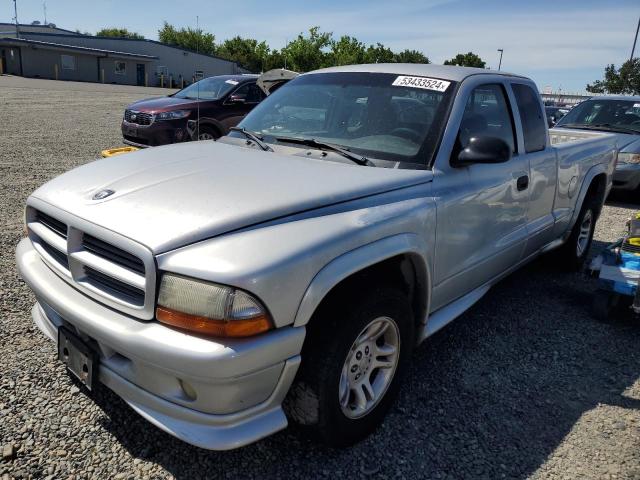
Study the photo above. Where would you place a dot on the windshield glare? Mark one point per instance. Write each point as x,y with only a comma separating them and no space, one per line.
612,113
211,88
362,112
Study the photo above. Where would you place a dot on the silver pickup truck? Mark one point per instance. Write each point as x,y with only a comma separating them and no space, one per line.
288,270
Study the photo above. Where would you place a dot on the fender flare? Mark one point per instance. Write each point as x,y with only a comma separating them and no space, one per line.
360,258
595,170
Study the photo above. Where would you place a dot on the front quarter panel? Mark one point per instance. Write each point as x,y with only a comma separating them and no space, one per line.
278,261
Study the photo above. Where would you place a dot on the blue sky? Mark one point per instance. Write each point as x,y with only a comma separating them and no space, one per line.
563,44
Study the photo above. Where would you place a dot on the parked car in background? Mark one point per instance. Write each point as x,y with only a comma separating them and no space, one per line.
204,110
619,115
351,215
554,114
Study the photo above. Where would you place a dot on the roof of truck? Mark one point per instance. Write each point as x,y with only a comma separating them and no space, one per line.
448,72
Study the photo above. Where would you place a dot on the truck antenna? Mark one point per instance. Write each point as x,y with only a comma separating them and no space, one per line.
198,81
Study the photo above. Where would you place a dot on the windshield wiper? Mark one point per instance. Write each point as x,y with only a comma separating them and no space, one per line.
253,137
600,126
312,142
615,128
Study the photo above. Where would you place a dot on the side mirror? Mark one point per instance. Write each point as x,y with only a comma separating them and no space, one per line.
483,150
237,99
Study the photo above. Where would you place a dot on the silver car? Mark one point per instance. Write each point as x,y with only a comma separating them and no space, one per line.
618,115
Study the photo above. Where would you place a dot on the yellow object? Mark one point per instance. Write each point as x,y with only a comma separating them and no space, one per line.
634,241
112,152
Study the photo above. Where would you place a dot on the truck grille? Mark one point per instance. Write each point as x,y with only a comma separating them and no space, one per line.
52,224
139,118
111,253
114,286
115,272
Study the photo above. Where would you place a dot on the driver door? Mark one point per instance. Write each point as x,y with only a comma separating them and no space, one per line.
481,208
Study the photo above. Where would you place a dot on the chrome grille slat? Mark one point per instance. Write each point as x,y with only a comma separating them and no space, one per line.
114,254
52,224
56,254
114,286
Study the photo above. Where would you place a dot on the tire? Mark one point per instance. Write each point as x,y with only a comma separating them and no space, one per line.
208,133
572,255
331,362
603,306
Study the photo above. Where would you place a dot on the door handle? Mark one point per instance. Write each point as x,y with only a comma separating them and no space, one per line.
522,183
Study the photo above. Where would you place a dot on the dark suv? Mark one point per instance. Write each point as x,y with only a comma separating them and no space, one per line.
218,102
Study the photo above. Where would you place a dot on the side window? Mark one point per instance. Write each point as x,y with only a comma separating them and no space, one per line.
250,92
254,94
533,120
487,113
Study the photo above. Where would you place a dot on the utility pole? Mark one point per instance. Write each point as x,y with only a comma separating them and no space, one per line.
635,39
500,62
15,10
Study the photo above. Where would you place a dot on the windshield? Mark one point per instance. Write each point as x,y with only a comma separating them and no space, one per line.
365,113
211,88
620,114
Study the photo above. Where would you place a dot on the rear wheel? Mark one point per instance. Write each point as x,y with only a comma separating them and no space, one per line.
573,253
352,367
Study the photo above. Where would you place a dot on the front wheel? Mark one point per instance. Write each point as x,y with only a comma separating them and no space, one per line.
352,367
207,133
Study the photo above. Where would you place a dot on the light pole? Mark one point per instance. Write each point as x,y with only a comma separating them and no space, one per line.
500,63
15,10
633,49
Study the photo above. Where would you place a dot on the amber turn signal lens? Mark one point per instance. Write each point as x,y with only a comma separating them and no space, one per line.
216,328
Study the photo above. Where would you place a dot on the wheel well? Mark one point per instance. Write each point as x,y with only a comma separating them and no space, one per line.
597,190
405,271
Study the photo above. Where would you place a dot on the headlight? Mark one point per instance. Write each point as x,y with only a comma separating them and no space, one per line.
173,115
209,308
626,157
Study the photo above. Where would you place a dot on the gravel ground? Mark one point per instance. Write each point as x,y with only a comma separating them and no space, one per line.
525,384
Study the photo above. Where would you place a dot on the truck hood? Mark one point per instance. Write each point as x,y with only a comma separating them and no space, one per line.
168,197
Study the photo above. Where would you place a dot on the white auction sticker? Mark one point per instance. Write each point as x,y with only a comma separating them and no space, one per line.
232,82
421,82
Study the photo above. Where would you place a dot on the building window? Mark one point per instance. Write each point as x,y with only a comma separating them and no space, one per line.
121,68
68,62
199,75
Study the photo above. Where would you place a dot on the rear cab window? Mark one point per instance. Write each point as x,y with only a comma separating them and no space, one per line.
534,126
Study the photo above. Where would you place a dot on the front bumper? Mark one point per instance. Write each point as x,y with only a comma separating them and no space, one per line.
160,132
626,176
240,384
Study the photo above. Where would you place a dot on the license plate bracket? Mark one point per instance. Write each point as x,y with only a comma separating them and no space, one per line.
78,357
130,131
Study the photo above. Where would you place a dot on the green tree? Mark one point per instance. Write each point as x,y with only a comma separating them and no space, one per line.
246,52
468,59
307,53
275,59
189,38
625,80
411,56
118,32
347,51
379,54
